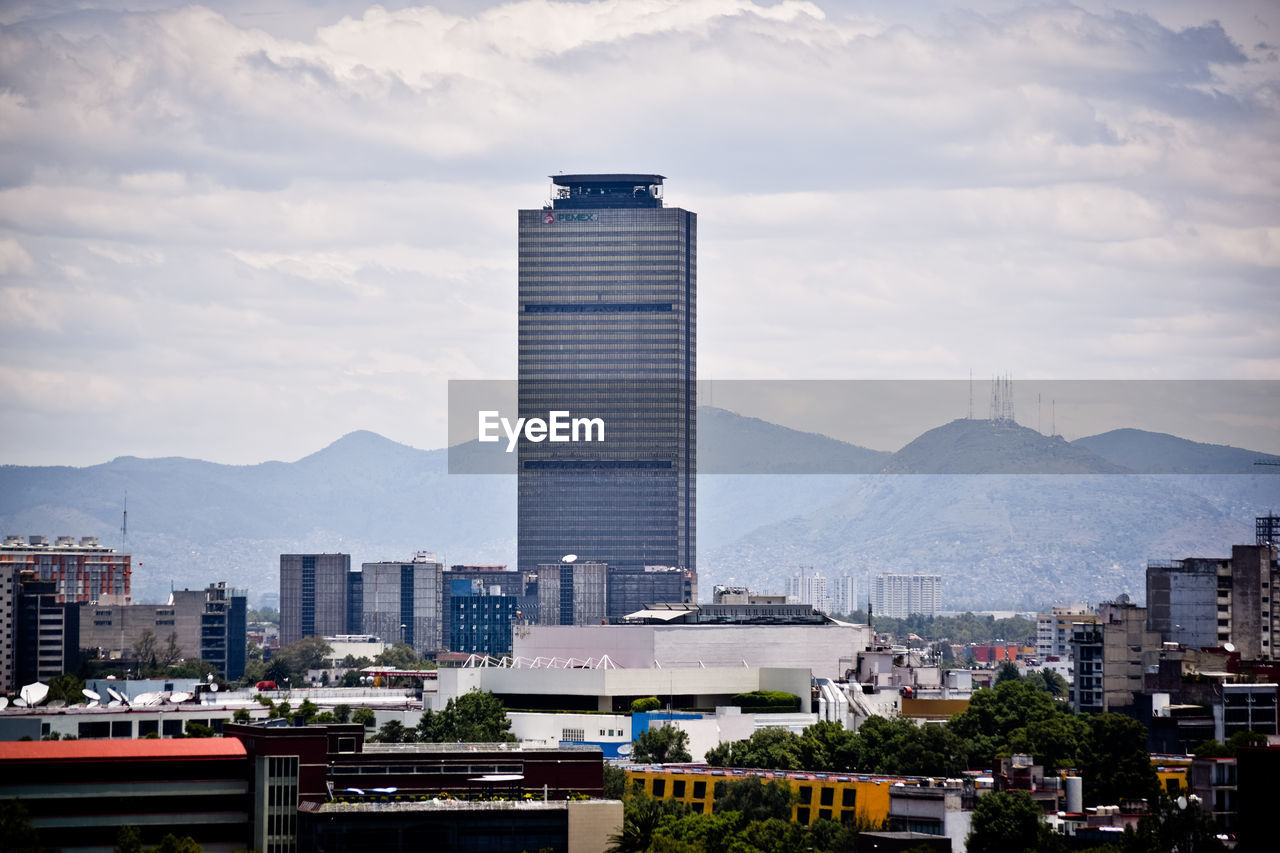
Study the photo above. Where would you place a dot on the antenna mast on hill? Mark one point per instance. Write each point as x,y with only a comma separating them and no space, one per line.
1001,411
124,524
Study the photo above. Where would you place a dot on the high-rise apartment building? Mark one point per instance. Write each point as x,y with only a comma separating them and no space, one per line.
9,590
315,596
1108,657
81,572
402,602
607,305
1054,630
1207,602
46,631
898,596
815,590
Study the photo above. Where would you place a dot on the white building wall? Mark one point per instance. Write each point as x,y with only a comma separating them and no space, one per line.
823,649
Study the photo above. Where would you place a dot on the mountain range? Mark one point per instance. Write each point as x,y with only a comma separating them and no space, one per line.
1009,517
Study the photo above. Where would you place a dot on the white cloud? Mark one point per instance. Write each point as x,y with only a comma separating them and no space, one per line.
228,211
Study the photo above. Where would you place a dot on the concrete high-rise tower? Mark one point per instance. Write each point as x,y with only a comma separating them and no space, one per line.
607,306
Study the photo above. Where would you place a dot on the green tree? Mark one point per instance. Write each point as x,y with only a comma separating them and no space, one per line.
351,678
755,800
66,687
394,731
342,713
1053,741
199,730
661,745
474,717
192,668
993,715
641,817
129,840
645,703
828,745
1115,763
364,716
241,716
16,831
401,656
307,653
306,712
772,748
1050,682
1171,827
1009,822
615,782
1008,671
173,844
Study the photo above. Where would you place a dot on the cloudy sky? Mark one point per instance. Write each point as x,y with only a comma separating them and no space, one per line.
238,231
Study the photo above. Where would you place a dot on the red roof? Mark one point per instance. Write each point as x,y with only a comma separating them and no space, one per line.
81,750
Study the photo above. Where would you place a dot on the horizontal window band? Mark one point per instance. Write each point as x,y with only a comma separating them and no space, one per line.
597,465
599,308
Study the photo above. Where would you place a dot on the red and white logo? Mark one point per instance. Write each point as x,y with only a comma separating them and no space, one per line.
548,219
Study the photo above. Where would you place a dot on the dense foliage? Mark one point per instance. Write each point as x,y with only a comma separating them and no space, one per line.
749,816
766,700
661,745
965,628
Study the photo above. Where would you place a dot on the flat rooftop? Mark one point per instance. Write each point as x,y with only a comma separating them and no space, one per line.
617,178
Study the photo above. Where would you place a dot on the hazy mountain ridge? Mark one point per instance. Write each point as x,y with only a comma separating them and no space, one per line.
998,539
1161,453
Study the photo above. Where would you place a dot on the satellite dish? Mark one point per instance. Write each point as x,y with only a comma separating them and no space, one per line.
90,694
114,695
34,694
625,749
114,703
147,699
179,696
1229,647
568,558
213,687
4,702
1182,802
19,702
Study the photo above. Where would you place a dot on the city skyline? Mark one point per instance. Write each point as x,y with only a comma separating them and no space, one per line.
215,223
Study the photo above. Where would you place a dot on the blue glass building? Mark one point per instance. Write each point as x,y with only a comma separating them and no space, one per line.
607,307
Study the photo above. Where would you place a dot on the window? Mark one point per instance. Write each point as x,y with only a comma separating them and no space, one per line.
802,814
659,787
806,795
826,796
677,789
824,814
699,790
848,798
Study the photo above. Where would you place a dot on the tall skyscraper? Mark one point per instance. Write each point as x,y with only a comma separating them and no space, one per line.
607,305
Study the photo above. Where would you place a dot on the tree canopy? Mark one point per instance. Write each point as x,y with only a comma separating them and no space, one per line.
661,745
474,717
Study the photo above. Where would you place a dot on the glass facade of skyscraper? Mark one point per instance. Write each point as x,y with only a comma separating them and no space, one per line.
607,304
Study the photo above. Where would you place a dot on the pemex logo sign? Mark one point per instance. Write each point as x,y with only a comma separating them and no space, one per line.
551,218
